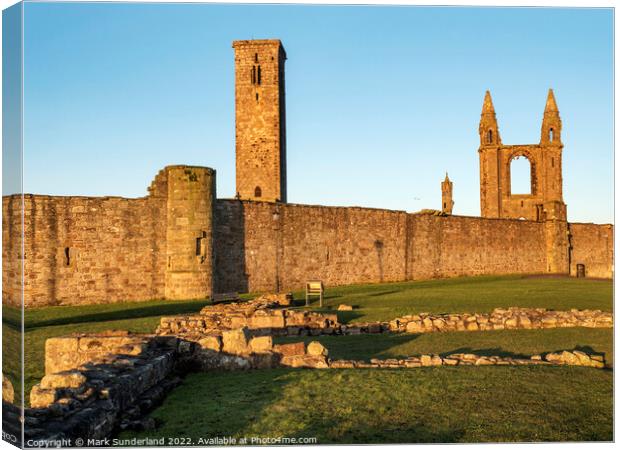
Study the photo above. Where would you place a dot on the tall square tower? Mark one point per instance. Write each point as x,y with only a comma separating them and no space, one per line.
260,120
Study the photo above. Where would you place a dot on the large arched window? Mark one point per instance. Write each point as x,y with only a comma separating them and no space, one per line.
520,175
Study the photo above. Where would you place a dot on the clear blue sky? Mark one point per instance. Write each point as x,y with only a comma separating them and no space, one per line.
381,101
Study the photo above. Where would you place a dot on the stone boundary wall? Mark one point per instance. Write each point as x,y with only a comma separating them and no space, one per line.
82,250
179,242
269,247
263,246
593,246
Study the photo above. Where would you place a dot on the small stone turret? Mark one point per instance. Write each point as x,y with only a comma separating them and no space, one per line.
446,195
189,232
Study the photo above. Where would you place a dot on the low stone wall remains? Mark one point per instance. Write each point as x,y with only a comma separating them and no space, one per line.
97,384
502,319
572,358
266,316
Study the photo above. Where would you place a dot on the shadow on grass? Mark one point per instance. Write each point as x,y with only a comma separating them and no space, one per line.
360,347
381,432
37,319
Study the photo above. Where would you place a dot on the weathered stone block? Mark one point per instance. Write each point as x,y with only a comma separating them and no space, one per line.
8,394
42,398
293,349
67,379
309,361
415,326
261,344
236,341
266,322
316,349
211,343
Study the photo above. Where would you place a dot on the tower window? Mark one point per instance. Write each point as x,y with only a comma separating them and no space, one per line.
67,256
257,191
550,134
552,162
255,75
255,57
490,137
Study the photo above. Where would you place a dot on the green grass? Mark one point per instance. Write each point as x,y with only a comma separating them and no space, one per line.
372,302
468,294
444,404
513,343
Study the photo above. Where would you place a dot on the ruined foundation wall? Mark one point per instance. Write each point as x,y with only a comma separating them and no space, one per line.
593,246
261,246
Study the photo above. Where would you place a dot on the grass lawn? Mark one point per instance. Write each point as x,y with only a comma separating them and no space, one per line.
372,302
443,404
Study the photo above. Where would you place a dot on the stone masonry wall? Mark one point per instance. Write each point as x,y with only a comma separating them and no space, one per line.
261,246
593,246
179,243
85,250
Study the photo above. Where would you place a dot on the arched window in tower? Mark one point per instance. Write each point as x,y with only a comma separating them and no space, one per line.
550,134
257,192
258,76
253,77
490,137
520,176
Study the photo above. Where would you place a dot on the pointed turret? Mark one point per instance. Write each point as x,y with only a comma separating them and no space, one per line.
488,129
487,106
446,196
551,104
551,130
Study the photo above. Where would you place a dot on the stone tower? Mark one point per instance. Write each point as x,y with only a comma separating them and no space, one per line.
544,201
446,195
260,120
189,232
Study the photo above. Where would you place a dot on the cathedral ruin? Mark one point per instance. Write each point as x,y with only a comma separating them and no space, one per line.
182,242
